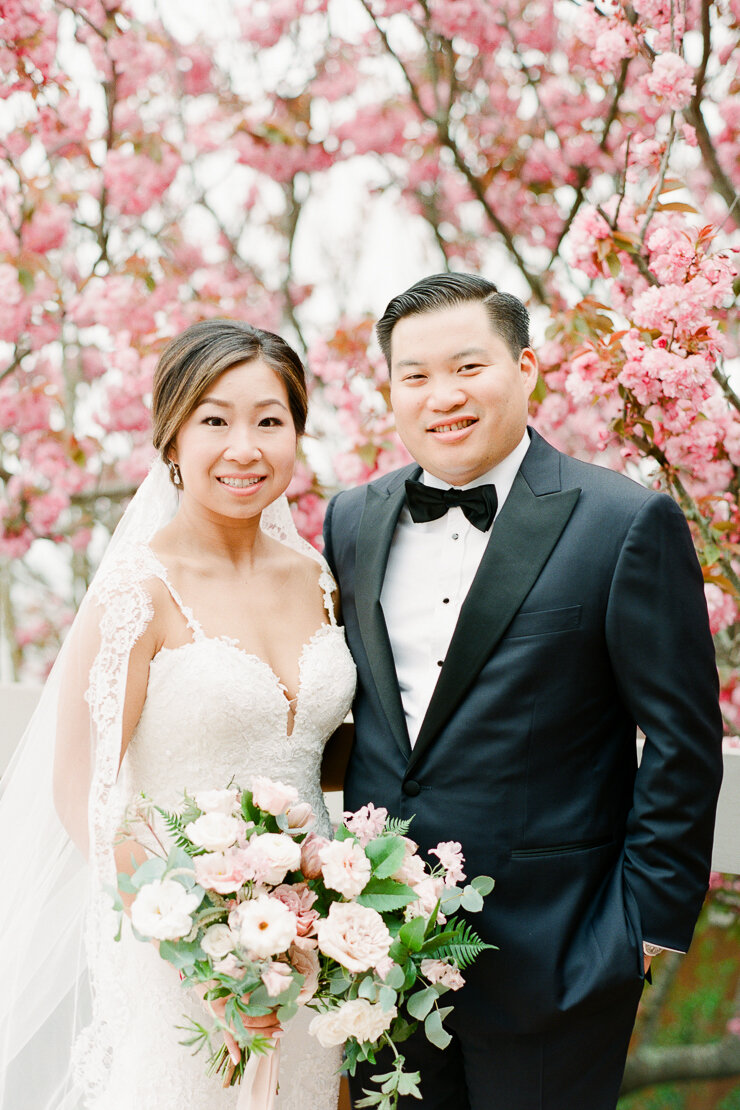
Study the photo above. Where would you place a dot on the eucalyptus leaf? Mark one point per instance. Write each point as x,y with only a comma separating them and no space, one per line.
387,998
471,900
484,884
419,1004
395,978
368,989
435,1033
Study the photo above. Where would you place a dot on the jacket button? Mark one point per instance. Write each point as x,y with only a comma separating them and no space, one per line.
411,788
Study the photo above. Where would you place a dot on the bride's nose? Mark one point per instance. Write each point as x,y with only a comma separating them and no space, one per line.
242,446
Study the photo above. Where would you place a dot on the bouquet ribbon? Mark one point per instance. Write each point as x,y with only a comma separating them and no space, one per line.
258,1088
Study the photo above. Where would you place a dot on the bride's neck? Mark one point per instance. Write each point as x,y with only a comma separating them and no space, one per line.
202,536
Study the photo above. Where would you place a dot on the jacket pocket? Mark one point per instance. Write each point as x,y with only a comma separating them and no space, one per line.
544,622
561,849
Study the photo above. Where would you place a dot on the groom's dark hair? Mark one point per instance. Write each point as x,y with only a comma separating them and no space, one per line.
508,316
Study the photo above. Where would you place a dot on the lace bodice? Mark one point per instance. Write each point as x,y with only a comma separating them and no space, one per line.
214,712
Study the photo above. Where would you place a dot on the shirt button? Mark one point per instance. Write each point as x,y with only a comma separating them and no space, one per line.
445,601
440,662
455,535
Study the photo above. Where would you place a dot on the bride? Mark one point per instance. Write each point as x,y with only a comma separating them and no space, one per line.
206,650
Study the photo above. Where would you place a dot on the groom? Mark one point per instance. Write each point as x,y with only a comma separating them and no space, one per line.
509,641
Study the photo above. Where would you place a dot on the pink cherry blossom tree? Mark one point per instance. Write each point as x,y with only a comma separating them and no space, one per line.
589,149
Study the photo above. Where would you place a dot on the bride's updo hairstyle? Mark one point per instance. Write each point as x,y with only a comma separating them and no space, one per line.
192,361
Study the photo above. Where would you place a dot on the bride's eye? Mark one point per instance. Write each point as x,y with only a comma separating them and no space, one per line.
271,422
214,421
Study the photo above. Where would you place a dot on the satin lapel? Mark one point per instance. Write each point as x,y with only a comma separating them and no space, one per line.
378,523
523,536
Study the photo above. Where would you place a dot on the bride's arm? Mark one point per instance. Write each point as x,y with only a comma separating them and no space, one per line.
74,753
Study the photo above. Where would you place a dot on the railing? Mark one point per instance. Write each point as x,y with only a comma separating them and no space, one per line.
17,703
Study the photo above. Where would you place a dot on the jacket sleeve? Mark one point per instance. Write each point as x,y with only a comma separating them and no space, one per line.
663,658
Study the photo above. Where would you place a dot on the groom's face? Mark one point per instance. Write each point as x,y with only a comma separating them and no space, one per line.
459,396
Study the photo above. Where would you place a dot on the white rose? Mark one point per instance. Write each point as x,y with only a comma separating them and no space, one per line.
273,797
355,936
218,941
265,926
358,1018
345,867
217,801
272,856
162,910
214,831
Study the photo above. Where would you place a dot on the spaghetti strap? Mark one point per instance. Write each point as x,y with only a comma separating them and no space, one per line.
161,572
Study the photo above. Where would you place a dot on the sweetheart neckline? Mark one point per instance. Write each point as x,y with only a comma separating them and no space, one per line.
232,643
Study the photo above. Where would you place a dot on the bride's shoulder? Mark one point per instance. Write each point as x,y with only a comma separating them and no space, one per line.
132,574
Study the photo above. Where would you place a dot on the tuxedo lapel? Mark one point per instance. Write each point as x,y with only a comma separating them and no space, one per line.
522,538
377,525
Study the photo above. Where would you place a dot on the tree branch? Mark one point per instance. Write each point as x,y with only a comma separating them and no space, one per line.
443,132
695,116
670,1063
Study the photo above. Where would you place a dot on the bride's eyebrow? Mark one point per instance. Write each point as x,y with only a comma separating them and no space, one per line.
213,401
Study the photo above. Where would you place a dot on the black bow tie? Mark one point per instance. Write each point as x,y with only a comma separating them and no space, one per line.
428,503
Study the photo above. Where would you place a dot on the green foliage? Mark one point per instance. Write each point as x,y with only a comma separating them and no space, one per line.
463,949
386,855
397,826
386,894
175,824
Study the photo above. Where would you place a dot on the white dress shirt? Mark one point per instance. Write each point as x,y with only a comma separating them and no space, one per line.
431,567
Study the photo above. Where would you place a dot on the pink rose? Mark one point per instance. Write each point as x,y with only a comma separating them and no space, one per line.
310,857
439,971
273,797
300,816
224,872
271,856
277,978
299,899
306,963
346,868
355,936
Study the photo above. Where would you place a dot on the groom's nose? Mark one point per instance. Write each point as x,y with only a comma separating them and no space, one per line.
445,396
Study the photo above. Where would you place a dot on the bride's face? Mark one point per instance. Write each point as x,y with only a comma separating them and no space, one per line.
236,451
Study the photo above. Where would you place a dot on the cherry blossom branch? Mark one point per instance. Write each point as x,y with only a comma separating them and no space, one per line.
694,114
584,174
726,386
443,132
658,187
293,209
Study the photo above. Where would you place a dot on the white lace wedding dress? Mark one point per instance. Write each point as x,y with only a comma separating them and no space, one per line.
213,712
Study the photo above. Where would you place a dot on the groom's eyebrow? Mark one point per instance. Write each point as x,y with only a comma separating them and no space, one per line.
448,358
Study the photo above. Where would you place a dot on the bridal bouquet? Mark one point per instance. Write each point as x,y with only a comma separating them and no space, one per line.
260,914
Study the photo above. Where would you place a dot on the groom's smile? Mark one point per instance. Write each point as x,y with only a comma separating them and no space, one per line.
458,393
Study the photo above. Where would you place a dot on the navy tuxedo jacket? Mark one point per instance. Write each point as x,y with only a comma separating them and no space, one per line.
585,620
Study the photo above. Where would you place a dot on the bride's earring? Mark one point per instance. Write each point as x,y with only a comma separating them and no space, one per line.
175,474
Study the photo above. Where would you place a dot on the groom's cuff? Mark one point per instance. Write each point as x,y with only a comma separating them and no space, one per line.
655,949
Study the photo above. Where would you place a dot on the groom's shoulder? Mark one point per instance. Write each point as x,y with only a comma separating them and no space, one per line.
352,501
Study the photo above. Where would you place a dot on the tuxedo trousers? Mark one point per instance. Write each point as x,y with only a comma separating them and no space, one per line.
576,1065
